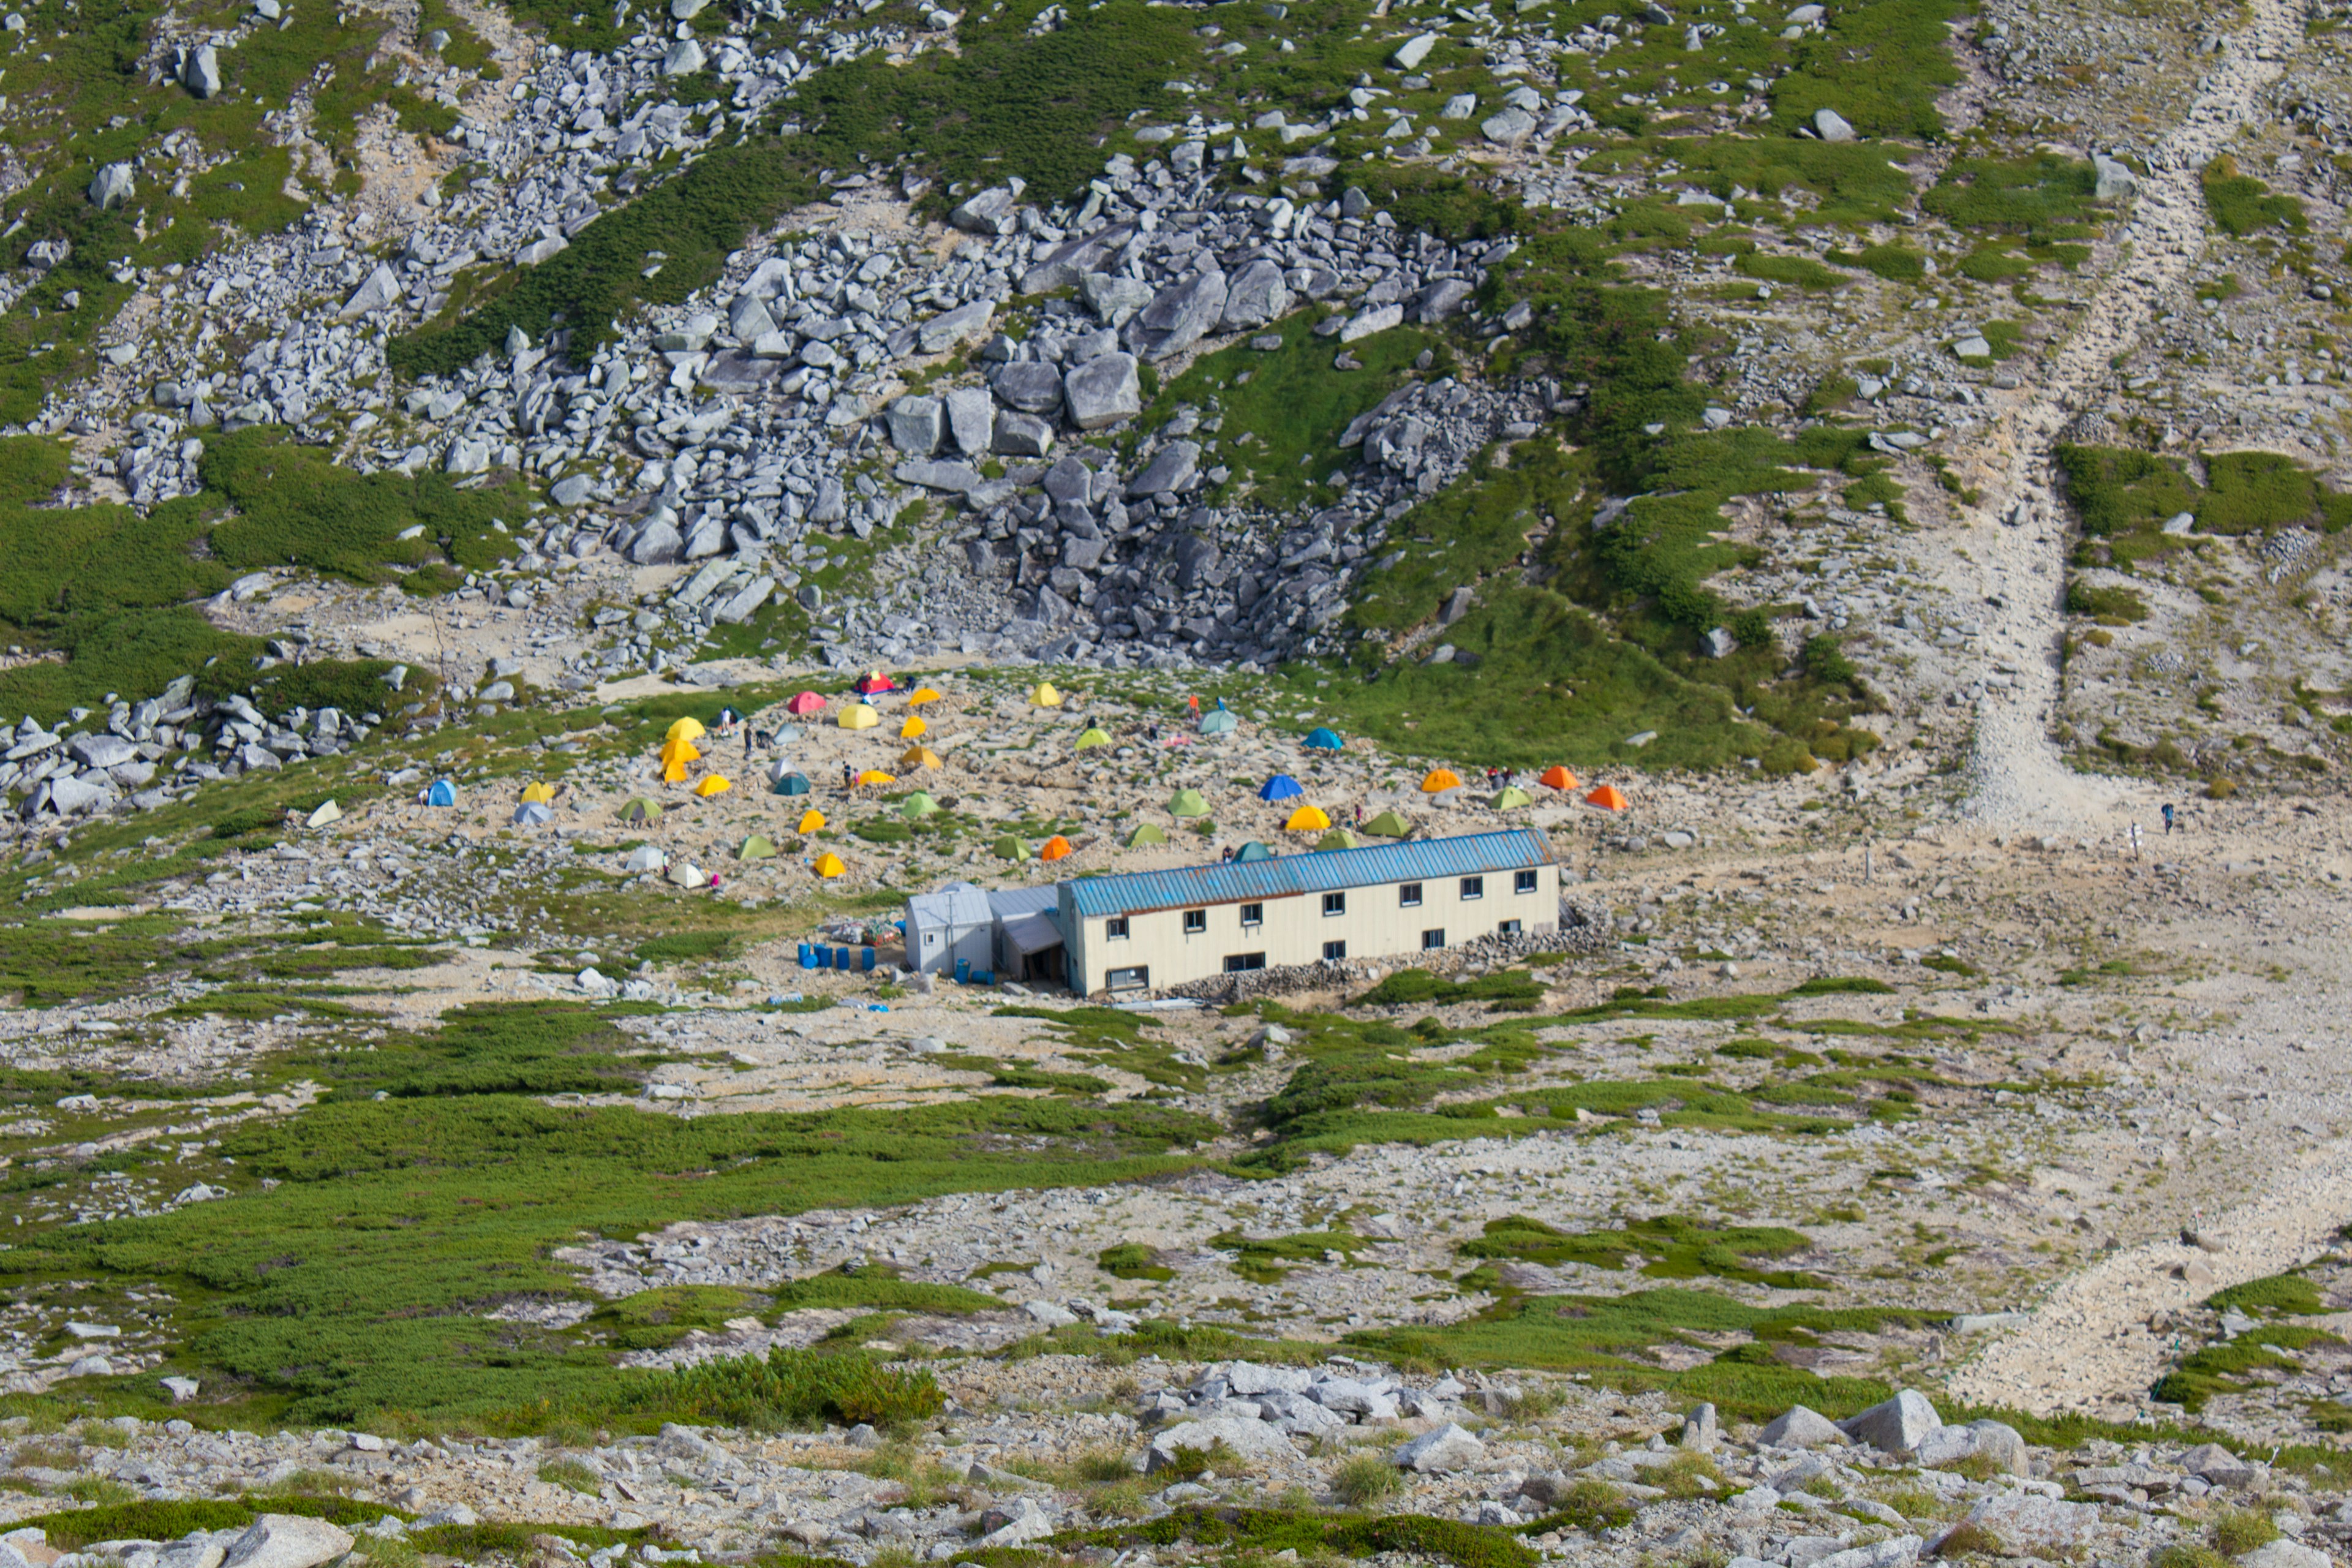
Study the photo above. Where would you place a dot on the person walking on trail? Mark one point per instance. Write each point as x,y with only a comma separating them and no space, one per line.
1193,702
848,779
2168,820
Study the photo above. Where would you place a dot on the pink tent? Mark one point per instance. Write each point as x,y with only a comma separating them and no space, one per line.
806,703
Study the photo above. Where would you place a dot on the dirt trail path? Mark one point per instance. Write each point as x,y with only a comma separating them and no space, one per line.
2016,774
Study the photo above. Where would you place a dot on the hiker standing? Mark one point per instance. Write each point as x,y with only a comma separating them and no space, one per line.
2168,821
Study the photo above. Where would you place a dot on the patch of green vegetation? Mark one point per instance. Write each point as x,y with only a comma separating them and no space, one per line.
2276,1295
1004,102
1286,408
1673,1248
790,1388
1797,272
349,1293
1880,65
1505,990
2113,604
2042,198
1266,1532
1265,1260
878,1286
2224,1367
168,1521
2241,204
1841,985
494,1048
1612,1337
656,1318
1429,200
1133,1260
1896,263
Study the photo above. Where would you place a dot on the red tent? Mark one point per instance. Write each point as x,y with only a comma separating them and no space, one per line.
875,681
806,703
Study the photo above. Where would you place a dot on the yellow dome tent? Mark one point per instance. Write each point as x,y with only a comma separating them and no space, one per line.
1306,819
811,821
538,792
712,785
829,865
913,728
858,716
1046,696
1091,739
920,757
686,729
922,695
876,776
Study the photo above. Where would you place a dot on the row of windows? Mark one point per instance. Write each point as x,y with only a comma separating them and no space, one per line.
1431,941
1408,897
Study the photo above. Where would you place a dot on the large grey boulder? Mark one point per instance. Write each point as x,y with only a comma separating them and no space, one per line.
1256,295
918,422
748,319
1449,1447
1113,297
1412,51
1801,1427
200,72
101,751
112,187
1508,127
1032,386
379,292
990,213
1168,471
1102,392
657,543
1443,299
2115,179
1249,1440
1831,126
287,1540
971,419
2034,1525
1895,1425
2286,1552
1023,436
685,58
1179,316
949,328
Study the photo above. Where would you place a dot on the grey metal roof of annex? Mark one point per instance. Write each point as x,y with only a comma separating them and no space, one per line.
1331,870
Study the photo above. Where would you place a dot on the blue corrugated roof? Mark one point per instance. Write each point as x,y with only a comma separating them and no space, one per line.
1193,885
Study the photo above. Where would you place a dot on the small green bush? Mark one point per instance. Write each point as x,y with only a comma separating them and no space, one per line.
1133,1260
2238,1531
2105,603
1365,1478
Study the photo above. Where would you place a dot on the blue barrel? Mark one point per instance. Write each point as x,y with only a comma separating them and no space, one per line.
824,956
841,958
865,960
963,971
808,956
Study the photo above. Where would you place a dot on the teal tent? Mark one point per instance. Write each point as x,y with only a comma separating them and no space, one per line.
1253,850
443,793
1321,740
791,784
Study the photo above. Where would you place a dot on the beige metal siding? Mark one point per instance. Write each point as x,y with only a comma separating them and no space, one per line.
1374,925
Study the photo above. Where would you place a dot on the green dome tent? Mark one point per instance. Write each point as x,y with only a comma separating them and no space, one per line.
1389,825
1512,797
791,784
1146,833
1253,850
1010,848
918,804
1337,838
641,810
758,846
1188,803
1091,739
1219,723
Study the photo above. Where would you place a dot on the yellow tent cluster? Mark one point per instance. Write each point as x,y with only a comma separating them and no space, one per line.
675,752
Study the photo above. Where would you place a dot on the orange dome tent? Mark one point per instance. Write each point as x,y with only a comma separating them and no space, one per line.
1443,778
806,703
1608,797
811,821
1055,848
711,786
1556,777
920,757
829,865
